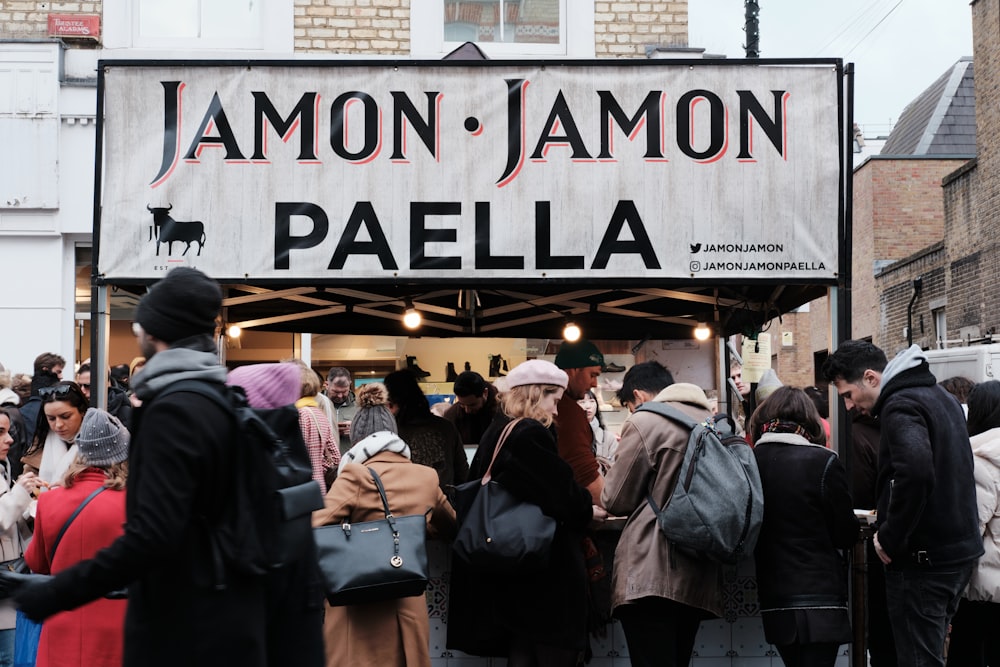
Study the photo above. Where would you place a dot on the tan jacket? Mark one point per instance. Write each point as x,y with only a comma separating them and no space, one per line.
651,450
395,632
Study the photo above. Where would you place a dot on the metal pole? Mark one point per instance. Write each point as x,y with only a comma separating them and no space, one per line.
752,28
100,321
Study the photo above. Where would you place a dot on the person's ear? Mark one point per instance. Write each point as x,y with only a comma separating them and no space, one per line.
636,397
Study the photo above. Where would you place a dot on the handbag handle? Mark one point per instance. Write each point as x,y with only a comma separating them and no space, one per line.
503,438
395,561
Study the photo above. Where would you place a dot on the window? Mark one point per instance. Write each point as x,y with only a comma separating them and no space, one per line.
198,19
940,326
199,24
503,28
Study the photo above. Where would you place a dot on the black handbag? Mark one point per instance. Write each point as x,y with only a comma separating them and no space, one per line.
498,532
16,565
373,560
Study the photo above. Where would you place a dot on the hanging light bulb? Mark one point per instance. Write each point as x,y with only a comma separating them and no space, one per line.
411,316
571,332
234,331
702,332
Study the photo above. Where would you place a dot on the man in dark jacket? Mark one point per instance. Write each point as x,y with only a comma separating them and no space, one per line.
186,604
927,533
48,370
475,406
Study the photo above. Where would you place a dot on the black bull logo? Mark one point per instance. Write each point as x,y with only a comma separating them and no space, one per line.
167,230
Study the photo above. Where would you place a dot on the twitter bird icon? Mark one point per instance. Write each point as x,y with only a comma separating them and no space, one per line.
695,247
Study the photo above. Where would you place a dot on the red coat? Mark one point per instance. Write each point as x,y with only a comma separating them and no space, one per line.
92,635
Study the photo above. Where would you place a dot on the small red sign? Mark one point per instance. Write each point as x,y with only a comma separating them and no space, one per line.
81,26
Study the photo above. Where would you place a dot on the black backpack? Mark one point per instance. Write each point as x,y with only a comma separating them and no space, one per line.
270,525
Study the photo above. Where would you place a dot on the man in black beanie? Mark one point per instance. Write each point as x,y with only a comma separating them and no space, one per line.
189,604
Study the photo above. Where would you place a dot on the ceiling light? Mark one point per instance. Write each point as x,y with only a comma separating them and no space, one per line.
702,332
234,331
571,332
411,316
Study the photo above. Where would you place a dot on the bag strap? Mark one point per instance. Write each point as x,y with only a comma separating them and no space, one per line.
675,415
388,515
381,492
488,475
76,513
670,412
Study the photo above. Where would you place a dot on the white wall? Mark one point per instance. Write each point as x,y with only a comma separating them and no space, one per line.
35,311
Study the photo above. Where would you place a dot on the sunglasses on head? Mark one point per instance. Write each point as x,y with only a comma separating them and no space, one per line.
57,391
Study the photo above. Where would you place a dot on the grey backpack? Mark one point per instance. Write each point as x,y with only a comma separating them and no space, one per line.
717,504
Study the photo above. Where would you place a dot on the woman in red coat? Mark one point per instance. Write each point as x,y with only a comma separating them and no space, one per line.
92,635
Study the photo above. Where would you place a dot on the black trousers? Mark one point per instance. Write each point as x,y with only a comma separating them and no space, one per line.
975,635
808,655
659,632
881,646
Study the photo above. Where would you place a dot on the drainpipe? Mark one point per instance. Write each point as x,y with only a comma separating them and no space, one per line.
918,284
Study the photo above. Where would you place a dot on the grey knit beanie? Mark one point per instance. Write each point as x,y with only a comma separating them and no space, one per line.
373,415
102,440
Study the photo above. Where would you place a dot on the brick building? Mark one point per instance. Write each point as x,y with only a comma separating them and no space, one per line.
900,232
48,62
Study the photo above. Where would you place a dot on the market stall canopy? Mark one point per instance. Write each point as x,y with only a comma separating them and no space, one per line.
532,311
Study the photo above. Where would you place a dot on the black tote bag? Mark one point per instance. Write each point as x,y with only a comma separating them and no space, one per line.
373,560
498,531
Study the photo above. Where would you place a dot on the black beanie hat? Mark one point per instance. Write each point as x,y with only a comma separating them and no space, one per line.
185,303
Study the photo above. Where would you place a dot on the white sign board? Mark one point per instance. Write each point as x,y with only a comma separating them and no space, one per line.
442,172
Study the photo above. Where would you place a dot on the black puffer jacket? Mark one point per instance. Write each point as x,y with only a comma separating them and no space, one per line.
927,492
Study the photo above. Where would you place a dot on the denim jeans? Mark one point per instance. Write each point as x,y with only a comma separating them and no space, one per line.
921,602
7,648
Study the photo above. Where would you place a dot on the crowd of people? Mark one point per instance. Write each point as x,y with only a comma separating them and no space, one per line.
140,496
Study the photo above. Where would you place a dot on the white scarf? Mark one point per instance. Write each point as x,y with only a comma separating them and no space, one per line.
380,441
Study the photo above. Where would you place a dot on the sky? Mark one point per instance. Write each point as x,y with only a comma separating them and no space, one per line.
898,47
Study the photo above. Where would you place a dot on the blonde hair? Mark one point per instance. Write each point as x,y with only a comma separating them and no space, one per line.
311,383
525,400
116,473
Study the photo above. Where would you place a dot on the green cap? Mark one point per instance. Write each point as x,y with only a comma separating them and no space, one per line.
581,354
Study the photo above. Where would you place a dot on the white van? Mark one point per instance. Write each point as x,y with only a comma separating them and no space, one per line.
979,363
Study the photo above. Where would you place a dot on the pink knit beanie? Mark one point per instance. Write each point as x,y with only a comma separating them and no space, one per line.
268,385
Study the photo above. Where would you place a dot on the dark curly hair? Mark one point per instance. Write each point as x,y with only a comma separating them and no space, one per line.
850,361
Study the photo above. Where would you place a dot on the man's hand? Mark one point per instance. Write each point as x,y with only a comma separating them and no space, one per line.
599,517
35,597
882,555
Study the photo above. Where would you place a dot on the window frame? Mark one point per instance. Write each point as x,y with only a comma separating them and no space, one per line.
121,31
576,34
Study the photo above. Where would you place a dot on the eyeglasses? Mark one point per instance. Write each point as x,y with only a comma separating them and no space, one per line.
58,391
84,385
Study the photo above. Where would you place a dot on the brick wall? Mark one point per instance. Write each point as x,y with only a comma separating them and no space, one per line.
376,27
895,285
898,212
382,27
972,196
29,19
794,362
624,29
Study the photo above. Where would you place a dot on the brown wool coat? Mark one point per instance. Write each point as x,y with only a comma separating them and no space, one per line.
652,449
395,632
